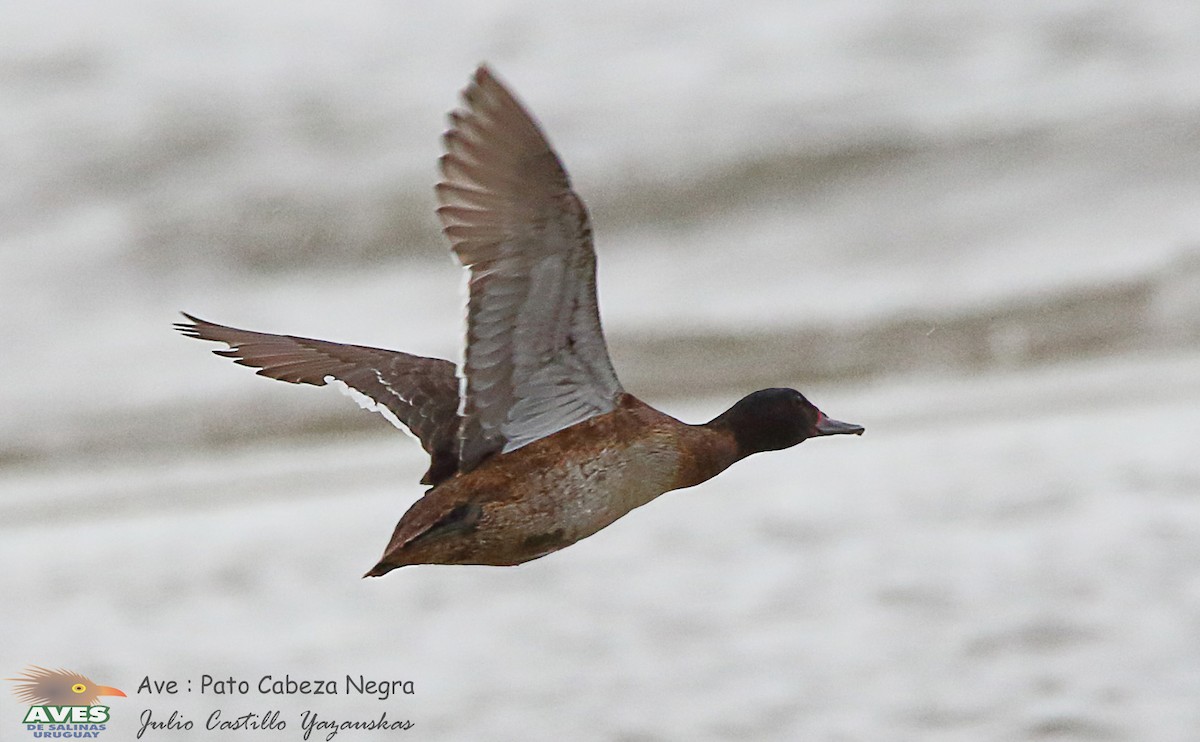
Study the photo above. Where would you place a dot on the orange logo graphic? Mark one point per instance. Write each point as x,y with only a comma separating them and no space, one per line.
62,700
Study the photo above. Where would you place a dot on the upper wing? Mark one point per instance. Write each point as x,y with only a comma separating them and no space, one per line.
535,361
415,393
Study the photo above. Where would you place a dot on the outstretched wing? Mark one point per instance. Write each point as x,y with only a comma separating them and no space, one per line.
535,361
415,393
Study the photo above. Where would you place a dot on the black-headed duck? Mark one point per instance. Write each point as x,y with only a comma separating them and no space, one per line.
533,443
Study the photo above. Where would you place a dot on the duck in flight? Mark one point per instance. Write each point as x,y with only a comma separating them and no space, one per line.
533,443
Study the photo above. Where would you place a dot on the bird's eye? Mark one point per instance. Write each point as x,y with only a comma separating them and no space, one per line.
78,688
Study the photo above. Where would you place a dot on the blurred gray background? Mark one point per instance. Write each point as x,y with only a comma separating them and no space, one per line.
971,226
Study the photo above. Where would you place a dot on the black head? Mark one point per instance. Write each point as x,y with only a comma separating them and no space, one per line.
774,419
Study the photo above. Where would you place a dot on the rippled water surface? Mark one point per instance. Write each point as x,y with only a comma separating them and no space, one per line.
971,227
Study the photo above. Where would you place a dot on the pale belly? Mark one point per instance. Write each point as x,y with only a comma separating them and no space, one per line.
577,500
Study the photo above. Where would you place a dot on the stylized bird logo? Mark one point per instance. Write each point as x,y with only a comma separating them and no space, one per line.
41,687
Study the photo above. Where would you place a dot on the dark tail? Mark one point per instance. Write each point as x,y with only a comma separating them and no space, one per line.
381,569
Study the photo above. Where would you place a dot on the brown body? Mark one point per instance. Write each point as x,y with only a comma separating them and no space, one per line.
557,490
533,442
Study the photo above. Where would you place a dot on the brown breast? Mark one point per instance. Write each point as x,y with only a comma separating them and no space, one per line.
558,490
